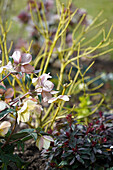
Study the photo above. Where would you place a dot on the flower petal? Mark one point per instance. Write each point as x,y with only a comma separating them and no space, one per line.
53,99
44,77
63,97
3,105
46,96
48,86
47,141
27,68
17,57
26,58
39,143
4,127
9,93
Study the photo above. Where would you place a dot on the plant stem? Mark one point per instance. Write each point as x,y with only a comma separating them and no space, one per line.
5,77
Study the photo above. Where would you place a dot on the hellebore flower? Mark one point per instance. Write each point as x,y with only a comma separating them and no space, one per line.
21,62
44,86
7,94
3,105
60,97
4,127
8,67
44,142
28,107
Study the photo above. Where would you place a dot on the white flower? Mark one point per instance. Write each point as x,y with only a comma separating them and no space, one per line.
60,97
8,67
44,86
44,142
26,109
4,127
3,105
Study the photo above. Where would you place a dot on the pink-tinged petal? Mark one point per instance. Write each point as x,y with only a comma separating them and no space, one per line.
44,77
54,92
26,59
46,96
9,93
18,69
48,86
27,68
17,57
34,80
49,138
63,97
53,99
40,142
38,85
36,71
38,109
39,90
60,97
47,141
2,90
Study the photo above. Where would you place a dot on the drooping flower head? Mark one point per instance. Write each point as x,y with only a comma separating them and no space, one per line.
44,87
29,106
21,62
7,94
4,127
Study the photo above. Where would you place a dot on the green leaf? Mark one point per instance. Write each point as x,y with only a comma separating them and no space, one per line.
25,135
80,159
34,135
28,79
20,134
20,144
72,161
63,163
2,87
11,59
40,97
6,111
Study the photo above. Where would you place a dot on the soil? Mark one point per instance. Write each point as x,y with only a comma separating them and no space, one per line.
33,156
